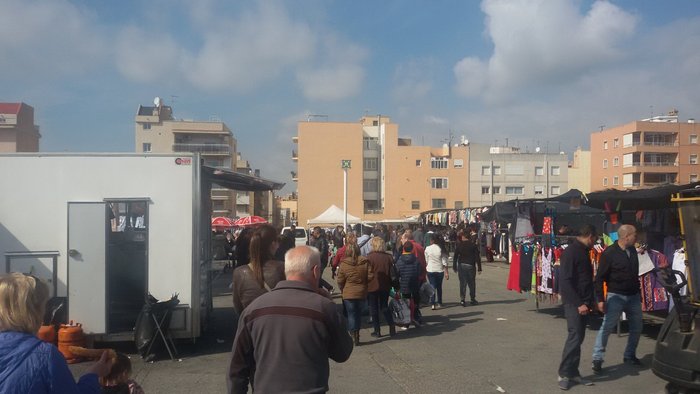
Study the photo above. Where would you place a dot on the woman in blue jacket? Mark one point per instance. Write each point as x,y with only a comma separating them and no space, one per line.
28,364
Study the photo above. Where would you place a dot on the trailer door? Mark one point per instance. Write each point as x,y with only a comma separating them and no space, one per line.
87,234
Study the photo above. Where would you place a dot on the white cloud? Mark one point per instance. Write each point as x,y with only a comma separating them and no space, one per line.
413,80
340,74
435,120
541,42
41,39
234,54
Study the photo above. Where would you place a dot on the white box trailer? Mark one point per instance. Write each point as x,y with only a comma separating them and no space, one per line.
105,230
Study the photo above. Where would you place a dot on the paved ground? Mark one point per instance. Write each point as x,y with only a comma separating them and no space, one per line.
501,345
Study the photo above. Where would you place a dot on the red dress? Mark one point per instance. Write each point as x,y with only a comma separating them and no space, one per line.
514,273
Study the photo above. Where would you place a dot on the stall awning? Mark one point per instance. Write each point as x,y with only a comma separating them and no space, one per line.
640,199
241,182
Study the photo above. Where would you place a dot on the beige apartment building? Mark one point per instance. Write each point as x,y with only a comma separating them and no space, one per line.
259,203
158,131
18,133
389,177
580,171
646,153
287,206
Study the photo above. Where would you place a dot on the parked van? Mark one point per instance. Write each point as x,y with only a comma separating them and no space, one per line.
300,235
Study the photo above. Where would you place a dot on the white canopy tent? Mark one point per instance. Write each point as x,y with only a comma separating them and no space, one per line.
333,215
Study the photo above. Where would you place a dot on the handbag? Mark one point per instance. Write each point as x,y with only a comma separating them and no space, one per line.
400,310
426,291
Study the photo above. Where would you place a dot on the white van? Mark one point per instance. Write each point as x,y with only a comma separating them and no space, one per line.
300,235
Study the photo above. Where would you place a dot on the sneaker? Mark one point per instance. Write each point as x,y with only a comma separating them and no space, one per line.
376,334
463,303
597,366
474,302
564,383
632,361
439,306
582,381
403,328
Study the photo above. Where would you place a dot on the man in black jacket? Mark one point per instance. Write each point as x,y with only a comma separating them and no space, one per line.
619,268
576,288
465,261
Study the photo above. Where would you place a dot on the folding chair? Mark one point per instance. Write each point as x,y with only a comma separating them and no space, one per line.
162,326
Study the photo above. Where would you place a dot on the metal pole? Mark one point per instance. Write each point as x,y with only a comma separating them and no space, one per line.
345,199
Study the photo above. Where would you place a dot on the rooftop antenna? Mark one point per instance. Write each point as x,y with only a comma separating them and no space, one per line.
601,127
172,99
651,111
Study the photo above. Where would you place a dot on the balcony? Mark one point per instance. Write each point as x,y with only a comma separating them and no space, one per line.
295,156
374,211
660,164
203,148
295,177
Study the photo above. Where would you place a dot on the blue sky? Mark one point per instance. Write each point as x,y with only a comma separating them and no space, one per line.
537,72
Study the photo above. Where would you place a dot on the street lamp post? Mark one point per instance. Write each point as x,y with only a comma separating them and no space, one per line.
345,165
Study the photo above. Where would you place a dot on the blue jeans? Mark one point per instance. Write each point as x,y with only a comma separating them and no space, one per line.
435,279
378,302
614,306
354,308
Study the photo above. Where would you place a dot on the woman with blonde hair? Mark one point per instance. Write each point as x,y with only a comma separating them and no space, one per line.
262,272
382,265
28,364
353,276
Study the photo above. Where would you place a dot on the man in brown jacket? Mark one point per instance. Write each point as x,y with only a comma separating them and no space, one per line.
285,337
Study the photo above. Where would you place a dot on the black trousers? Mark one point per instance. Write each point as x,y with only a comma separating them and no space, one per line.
467,277
571,356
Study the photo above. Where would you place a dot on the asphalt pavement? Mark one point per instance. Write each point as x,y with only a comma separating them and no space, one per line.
502,345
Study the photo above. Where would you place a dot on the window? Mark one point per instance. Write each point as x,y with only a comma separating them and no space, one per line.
438,162
418,163
496,170
616,161
514,190
370,143
693,138
496,190
369,185
555,190
616,180
438,183
485,189
605,181
459,205
146,146
439,203
556,170
605,163
539,171
415,204
693,178
486,170
694,159
370,164
539,190
375,123
217,205
458,163
146,126
605,145
616,143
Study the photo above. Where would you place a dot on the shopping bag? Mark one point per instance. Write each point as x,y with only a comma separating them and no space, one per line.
401,311
426,291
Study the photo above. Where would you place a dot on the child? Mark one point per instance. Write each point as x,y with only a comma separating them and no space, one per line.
118,382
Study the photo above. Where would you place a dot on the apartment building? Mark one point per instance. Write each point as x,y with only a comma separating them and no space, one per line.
505,173
287,206
18,133
580,171
645,153
388,178
157,131
259,203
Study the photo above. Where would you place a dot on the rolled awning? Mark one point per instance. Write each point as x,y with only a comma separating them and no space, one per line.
241,182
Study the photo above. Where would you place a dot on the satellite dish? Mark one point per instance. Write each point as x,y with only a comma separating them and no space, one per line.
157,101
537,149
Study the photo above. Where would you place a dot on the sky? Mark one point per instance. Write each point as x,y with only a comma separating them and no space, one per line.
535,72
